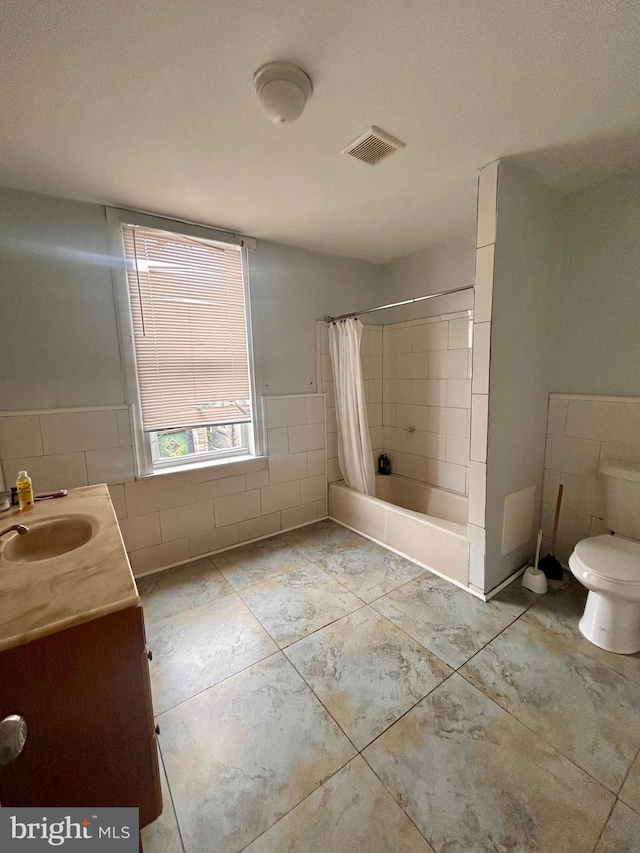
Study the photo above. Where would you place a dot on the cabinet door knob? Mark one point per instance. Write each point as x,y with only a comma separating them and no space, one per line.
13,734
149,654
157,730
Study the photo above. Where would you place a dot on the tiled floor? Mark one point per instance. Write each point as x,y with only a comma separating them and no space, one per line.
318,694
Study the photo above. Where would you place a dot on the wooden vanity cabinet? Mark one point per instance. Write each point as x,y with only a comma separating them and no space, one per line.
85,695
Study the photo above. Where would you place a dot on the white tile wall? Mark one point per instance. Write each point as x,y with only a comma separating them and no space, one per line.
487,204
20,436
141,532
285,411
227,486
172,517
459,393
282,496
167,554
423,380
483,297
434,392
435,378
481,357
283,469
477,493
479,426
306,437
449,364
70,431
110,466
212,540
48,473
486,230
239,507
582,431
185,520
477,544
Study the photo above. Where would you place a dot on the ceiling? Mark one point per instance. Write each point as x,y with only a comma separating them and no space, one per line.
148,104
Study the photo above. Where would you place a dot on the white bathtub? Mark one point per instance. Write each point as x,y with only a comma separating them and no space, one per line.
422,522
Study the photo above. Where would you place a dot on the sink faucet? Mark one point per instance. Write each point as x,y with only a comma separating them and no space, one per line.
19,528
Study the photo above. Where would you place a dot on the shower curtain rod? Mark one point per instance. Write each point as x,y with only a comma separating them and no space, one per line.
397,304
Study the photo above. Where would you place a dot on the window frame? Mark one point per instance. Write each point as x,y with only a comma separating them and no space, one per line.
143,456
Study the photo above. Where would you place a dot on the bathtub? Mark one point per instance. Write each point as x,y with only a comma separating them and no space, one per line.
424,523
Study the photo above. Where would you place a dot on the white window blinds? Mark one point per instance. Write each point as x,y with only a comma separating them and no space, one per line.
189,328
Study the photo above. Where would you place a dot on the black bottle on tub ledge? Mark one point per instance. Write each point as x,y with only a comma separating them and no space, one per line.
384,465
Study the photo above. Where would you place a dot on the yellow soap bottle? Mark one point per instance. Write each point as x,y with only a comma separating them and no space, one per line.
25,491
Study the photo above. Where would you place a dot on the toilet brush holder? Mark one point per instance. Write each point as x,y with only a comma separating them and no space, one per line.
533,578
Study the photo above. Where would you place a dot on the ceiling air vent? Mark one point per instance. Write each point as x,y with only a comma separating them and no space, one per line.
373,146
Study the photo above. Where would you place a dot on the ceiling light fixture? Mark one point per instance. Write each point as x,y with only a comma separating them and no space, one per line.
282,89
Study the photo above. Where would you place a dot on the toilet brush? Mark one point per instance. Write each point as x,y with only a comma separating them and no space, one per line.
533,578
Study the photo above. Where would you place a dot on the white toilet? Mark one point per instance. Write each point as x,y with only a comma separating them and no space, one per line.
609,566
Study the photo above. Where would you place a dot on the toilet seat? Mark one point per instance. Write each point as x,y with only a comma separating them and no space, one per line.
612,558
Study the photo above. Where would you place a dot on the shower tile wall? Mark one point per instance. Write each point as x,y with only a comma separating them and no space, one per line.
426,392
416,374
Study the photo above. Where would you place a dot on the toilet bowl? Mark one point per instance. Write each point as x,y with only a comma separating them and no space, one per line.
609,566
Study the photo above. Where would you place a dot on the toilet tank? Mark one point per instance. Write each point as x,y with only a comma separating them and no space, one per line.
621,496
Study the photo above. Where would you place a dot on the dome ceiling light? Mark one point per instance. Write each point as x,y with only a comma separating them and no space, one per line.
282,89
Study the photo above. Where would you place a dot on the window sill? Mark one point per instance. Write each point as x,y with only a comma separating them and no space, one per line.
229,463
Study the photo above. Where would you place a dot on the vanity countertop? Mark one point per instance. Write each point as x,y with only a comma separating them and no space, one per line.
44,597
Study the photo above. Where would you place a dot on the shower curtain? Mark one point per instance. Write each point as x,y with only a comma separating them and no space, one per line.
354,444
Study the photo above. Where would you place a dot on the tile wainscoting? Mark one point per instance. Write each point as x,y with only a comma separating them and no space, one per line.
173,517
581,431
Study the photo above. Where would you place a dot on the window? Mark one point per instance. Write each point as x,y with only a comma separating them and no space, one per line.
189,343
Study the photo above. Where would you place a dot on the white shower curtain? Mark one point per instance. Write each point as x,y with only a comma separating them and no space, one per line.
354,444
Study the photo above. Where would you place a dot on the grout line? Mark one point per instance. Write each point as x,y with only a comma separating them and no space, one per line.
264,580
173,805
387,789
626,775
322,627
260,623
282,817
453,669
488,643
585,652
535,734
360,751
217,683
323,705
408,711
406,583
510,713
604,825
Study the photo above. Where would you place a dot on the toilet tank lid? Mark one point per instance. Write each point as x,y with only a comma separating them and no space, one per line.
622,470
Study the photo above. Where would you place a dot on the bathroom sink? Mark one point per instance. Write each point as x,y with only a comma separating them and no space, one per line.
47,539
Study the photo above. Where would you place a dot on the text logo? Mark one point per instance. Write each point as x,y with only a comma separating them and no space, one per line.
34,829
